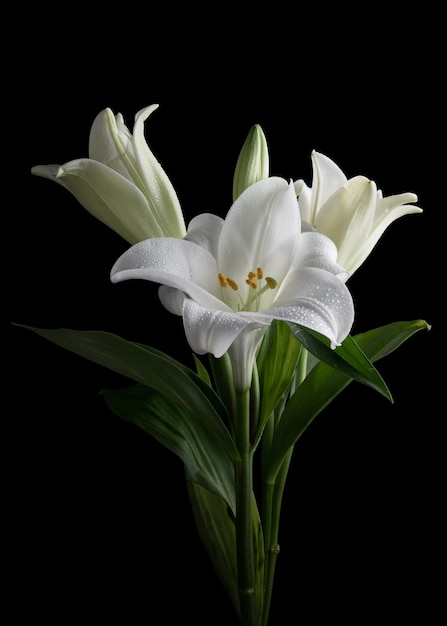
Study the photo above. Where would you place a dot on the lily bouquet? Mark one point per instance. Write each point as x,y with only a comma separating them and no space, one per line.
267,315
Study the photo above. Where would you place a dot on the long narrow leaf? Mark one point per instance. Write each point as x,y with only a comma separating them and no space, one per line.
348,358
175,426
276,365
324,383
152,368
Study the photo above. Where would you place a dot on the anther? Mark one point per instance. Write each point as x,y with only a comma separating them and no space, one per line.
259,273
226,280
251,280
222,280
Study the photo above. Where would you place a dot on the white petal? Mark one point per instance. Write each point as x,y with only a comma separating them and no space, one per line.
216,332
304,201
327,178
107,195
347,217
109,142
172,299
173,262
388,210
204,230
318,300
260,230
161,193
213,331
317,250
391,207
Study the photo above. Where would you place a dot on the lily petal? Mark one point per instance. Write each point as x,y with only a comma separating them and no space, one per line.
173,262
204,230
213,331
327,178
317,250
216,332
161,194
388,210
315,299
260,229
107,195
347,217
111,143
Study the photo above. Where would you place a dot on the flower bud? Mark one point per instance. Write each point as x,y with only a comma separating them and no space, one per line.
253,161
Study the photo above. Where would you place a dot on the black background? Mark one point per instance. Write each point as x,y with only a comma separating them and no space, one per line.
101,527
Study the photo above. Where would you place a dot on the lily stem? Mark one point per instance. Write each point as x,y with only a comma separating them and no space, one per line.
244,514
273,490
273,493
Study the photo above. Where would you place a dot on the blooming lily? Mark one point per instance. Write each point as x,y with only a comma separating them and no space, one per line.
121,183
353,213
231,278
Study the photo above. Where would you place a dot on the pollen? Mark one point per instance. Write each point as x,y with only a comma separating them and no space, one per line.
222,280
251,281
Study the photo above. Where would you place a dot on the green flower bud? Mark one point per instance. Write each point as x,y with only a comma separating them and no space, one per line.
253,161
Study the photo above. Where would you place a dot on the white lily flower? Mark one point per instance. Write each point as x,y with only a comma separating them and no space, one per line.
121,183
353,213
230,278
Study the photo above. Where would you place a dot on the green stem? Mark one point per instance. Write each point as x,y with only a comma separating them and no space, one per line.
244,514
223,379
273,500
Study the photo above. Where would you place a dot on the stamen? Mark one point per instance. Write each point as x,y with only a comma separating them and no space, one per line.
222,280
259,272
251,280
233,284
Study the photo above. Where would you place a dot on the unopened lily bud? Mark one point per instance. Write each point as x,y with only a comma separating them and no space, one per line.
253,161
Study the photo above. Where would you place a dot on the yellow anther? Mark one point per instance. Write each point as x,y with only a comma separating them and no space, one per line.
222,280
259,273
251,282
233,284
251,275
271,282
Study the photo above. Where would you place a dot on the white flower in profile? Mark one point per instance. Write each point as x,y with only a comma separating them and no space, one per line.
353,213
231,278
121,183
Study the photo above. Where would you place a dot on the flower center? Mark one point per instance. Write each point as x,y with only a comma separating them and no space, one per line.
254,280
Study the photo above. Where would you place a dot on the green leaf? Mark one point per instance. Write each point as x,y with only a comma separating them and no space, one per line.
176,427
217,532
324,382
349,358
179,385
202,371
276,366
